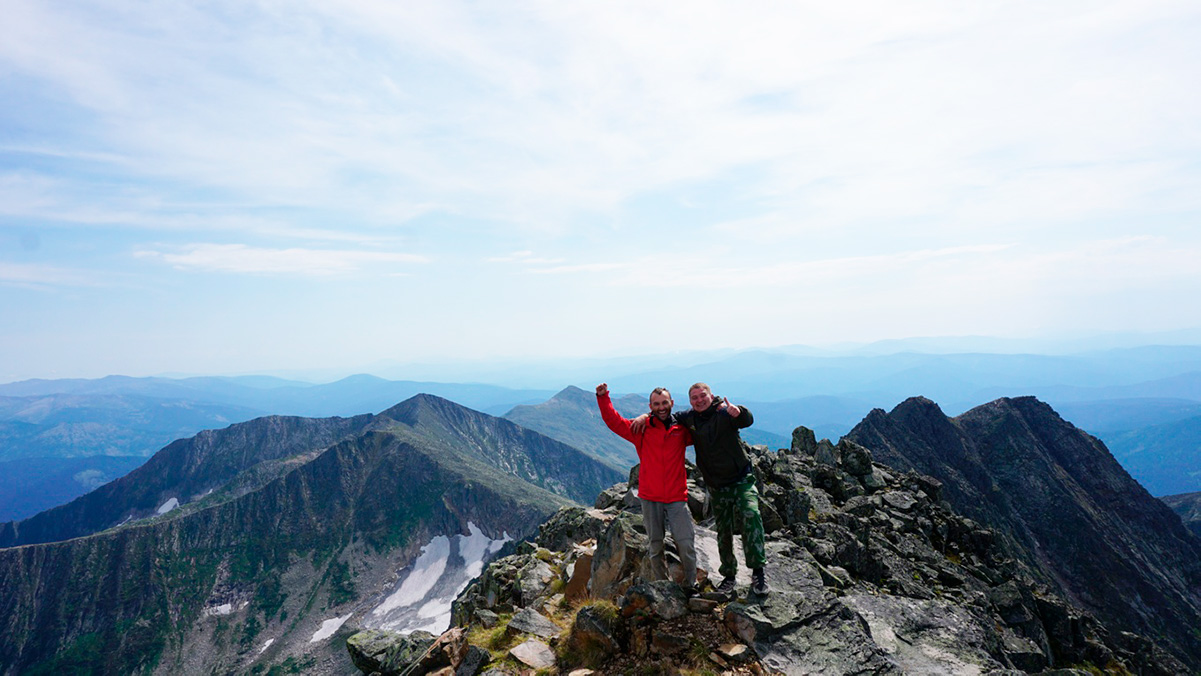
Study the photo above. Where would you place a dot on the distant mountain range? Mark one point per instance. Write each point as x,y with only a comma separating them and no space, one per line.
252,544
1124,396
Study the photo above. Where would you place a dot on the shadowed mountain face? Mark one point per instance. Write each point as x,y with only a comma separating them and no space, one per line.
1063,505
307,520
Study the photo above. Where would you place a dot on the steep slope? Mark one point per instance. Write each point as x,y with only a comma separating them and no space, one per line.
264,570
1062,504
1188,507
571,416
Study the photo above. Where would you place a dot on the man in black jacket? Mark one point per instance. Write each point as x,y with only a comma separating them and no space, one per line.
723,463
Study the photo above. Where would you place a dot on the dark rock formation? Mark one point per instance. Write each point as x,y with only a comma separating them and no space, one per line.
1062,506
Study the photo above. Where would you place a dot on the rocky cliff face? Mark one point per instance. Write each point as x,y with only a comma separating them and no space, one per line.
1061,505
310,522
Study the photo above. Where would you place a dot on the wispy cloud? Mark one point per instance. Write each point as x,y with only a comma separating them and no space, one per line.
47,276
239,258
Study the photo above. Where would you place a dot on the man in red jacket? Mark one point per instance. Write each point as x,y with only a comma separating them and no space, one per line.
662,481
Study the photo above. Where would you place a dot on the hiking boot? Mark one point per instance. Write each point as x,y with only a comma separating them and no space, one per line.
689,590
726,586
759,582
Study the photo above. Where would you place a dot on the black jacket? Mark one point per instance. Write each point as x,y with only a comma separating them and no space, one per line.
719,451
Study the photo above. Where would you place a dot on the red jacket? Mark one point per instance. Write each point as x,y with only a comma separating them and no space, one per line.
661,477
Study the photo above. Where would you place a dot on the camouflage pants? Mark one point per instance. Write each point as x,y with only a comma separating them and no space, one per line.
733,506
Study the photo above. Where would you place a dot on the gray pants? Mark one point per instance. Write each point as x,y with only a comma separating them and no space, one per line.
677,516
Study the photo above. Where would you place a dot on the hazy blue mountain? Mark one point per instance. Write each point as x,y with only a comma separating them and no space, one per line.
348,396
1117,415
32,485
263,538
830,417
571,416
1166,459
73,425
961,379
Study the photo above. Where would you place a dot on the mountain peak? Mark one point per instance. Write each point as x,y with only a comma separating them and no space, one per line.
1053,491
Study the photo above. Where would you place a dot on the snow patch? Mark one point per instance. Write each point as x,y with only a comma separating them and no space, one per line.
421,580
328,628
168,506
223,609
266,645
445,567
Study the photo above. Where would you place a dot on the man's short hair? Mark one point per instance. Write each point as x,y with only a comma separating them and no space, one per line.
702,386
660,390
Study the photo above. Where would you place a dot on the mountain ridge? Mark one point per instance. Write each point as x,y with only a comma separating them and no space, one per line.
326,532
1054,492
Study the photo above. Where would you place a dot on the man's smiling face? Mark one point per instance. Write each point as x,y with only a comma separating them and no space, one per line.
661,405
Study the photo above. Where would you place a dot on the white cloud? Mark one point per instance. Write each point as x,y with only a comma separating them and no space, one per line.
239,258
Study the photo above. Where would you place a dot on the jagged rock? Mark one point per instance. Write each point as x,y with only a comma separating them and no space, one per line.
901,500
861,505
854,459
796,506
448,650
596,632
772,521
581,574
697,604
387,652
486,618
511,581
534,653
529,621
663,598
875,481
804,441
825,455
571,525
475,659
619,556
614,496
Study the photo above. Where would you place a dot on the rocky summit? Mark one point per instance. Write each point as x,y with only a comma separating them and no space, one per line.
872,571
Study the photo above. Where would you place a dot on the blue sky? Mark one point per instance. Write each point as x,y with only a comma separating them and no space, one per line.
232,187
